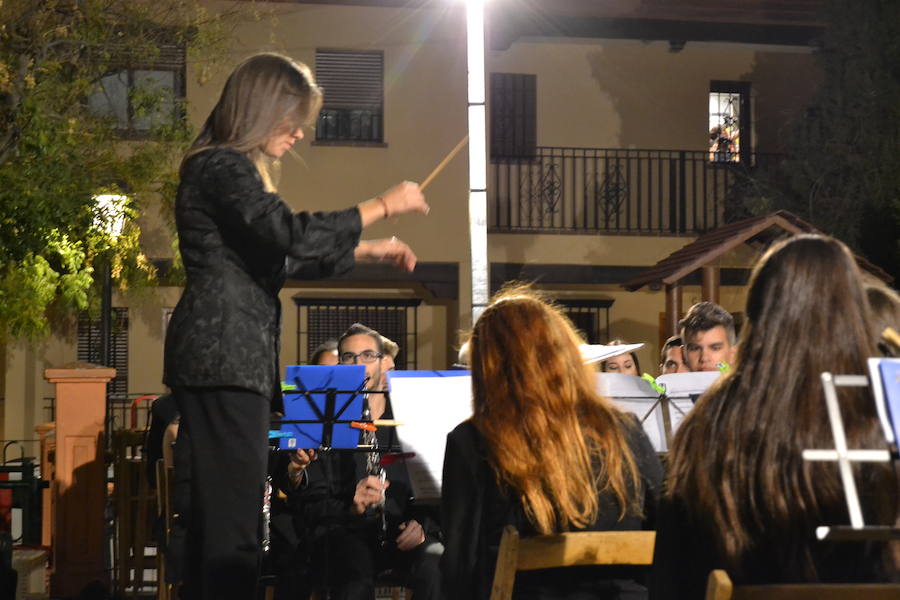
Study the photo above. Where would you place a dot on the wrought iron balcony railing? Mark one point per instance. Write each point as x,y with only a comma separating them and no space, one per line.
587,190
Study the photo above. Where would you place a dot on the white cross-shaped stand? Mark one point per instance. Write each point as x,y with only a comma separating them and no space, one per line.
844,457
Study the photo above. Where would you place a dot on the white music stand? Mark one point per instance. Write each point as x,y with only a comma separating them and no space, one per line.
844,456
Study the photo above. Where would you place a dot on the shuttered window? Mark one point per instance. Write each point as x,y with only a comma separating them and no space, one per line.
322,320
513,110
353,106
89,346
590,317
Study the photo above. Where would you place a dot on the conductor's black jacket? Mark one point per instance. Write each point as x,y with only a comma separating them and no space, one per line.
239,243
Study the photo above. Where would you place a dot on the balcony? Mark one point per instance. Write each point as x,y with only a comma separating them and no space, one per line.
603,190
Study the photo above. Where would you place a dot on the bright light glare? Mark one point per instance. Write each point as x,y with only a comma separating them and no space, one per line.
477,157
477,148
110,213
475,49
478,233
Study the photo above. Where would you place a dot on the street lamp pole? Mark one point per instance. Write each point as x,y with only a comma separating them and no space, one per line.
477,157
106,316
110,217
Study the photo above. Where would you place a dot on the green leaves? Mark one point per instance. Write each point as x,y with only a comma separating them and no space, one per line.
57,151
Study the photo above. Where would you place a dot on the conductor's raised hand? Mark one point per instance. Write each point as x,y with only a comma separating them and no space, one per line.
405,197
369,491
389,250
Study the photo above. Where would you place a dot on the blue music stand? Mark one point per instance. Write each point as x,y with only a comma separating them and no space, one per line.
320,407
885,375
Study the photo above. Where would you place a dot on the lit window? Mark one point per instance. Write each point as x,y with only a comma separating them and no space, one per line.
729,120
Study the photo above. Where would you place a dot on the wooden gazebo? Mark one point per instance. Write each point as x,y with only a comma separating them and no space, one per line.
702,253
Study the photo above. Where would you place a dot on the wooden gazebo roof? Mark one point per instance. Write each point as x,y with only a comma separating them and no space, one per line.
756,231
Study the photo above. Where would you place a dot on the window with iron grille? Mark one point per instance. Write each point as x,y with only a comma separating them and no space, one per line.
141,99
89,346
590,317
353,106
729,121
513,110
322,320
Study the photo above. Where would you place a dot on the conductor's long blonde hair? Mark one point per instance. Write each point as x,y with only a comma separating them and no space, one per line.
264,93
550,438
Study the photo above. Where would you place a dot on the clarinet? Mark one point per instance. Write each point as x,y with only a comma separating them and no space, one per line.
374,468
267,516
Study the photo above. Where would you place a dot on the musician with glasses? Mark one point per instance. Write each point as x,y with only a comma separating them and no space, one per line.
339,504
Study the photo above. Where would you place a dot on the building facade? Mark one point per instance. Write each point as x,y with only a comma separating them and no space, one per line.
616,136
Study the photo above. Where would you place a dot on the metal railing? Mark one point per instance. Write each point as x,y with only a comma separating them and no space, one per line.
121,411
604,190
349,125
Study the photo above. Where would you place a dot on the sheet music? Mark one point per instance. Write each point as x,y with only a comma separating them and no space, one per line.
635,395
592,353
429,405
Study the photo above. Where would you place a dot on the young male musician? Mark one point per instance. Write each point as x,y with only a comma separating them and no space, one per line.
671,358
708,334
339,502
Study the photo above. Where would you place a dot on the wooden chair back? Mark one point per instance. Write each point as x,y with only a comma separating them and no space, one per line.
164,476
567,550
719,587
135,506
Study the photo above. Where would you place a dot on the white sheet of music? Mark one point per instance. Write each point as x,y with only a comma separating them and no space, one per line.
635,395
592,353
429,405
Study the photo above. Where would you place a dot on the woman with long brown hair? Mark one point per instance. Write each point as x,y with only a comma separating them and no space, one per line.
542,451
740,496
239,242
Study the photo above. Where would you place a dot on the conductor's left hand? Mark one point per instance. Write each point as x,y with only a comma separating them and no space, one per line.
389,250
411,535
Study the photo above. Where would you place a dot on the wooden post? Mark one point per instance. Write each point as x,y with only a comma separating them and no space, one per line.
79,481
47,435
710,289
673,307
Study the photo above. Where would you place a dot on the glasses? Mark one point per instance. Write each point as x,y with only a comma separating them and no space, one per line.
365,357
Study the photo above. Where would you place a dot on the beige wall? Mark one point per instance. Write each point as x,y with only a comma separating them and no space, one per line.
620,250
25,387
633,94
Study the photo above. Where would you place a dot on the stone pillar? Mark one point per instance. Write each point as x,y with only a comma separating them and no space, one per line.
79,483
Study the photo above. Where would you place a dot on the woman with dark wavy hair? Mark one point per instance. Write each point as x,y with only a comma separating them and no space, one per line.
543,452
740,497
